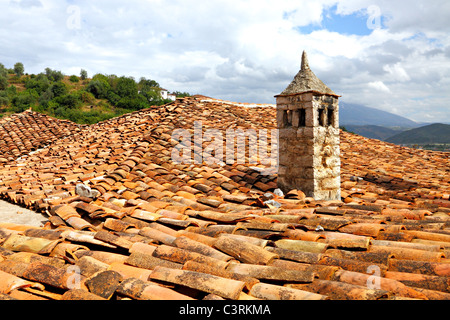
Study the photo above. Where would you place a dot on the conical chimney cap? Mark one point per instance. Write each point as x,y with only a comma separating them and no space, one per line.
305,63
306,81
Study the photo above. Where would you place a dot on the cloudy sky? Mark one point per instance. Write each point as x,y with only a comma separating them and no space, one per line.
390,55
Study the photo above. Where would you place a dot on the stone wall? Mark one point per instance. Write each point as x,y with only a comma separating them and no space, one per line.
309,152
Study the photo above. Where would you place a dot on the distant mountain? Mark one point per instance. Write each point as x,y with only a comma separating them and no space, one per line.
372,131
354,114
431,134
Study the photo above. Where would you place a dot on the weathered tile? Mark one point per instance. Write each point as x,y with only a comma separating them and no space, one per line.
274,292
104,283
390,285
227,288
152,213
10,282
61,278
80,294
17,242
341,291
145,290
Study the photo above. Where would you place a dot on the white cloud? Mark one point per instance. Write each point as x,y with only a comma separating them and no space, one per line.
378,85
397,72
242,50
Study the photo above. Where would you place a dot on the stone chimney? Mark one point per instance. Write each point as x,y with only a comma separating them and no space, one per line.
308,148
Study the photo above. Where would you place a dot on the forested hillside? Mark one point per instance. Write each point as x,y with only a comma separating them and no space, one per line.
75,97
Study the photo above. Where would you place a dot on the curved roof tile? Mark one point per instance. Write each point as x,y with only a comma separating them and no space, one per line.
152,218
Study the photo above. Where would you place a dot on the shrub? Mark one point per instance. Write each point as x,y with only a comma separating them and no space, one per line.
46,97
3,83
113,98
182,94
58,89
39,108
54,75
4,100
87,97
126,87
82,117
39,83
11,90
74,79
24,100
134,103
98,88
151,95
71,100
101,77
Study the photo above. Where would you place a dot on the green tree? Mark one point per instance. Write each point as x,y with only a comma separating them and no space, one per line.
147,83
58,89
24,100
11,90
152,95
3,71
46,97
19,69
113,97
126,87
83,74
70,100
54,75
4,99
112,80
40,83
134,103
182,94
150,90
48,72
98,88
101,77
3,82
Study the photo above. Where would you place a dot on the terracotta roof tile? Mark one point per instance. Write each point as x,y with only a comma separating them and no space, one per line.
155,222
28,131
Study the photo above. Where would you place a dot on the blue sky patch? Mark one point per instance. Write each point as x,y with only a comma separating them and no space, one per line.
359,23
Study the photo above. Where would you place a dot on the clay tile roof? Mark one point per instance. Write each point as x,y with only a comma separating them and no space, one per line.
145,227
28,131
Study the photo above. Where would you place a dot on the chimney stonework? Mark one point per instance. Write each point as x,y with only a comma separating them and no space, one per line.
308,147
